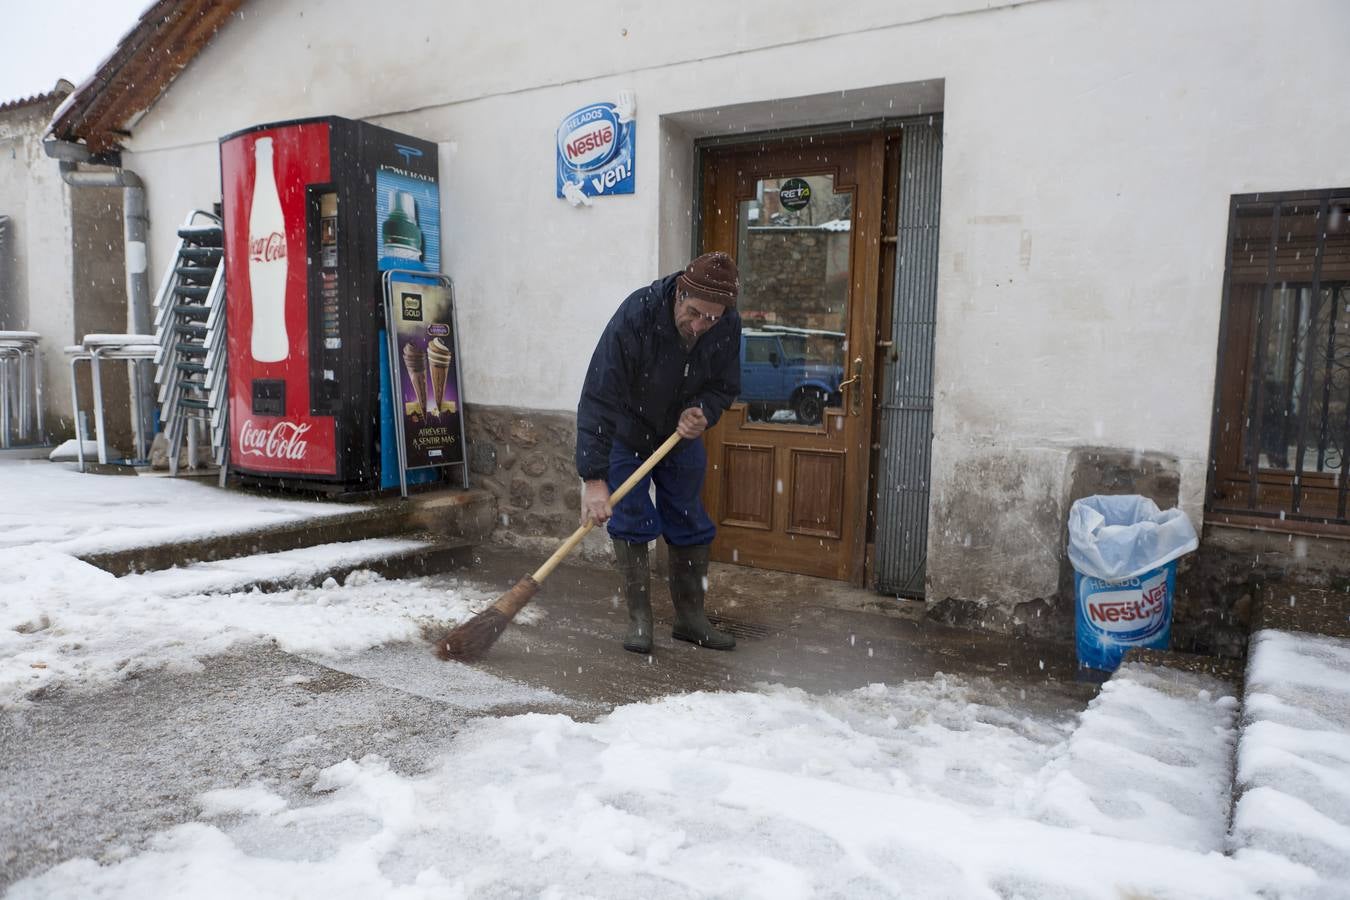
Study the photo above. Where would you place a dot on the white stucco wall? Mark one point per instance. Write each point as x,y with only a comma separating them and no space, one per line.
38,203
492,92
1091,147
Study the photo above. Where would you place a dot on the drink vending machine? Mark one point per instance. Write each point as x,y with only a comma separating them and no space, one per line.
314,211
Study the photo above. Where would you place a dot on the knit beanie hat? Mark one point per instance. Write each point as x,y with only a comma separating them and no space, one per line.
711,277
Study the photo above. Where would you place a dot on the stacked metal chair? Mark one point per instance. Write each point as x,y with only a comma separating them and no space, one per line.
21,387
190,323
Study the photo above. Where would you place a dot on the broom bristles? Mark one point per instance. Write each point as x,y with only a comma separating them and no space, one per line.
470,641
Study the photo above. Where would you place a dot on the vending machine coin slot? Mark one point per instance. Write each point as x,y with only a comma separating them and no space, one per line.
325,326
269,397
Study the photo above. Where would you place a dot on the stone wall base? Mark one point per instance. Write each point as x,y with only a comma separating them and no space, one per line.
524,458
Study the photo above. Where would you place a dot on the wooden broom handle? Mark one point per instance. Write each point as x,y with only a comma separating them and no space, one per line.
642,471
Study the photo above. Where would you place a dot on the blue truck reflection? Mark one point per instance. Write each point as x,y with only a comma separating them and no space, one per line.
790,375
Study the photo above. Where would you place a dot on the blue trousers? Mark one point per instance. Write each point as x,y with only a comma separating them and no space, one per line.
678,514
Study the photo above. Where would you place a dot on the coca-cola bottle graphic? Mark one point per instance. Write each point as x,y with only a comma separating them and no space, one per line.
267,260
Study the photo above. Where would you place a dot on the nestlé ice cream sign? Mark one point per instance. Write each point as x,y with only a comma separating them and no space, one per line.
595,152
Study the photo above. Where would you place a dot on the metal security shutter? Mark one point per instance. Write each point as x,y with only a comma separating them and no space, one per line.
906,427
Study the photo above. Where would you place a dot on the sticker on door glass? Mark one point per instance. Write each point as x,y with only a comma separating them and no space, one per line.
794,194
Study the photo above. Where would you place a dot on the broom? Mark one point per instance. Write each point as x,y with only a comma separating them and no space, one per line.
468,642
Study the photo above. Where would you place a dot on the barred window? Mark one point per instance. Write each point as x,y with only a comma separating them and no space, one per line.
1282,411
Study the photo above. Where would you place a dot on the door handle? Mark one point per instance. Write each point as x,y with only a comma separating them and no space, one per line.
855,395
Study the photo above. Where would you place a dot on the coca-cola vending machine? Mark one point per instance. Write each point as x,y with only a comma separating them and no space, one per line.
314,211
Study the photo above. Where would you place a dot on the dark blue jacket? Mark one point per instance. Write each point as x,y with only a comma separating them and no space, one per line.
641,378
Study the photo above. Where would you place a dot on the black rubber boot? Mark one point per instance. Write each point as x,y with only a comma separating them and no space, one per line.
637,589
688,576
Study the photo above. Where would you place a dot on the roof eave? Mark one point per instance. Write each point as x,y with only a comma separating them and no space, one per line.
162,43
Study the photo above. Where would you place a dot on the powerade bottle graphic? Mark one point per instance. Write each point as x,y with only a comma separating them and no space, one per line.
401,234
267,261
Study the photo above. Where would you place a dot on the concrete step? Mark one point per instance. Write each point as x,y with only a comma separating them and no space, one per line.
1150,759
457,517
1287,606
1290,775
26,452
390,557
1293,752
1223,668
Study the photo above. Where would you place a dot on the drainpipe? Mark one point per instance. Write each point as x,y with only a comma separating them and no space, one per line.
135,225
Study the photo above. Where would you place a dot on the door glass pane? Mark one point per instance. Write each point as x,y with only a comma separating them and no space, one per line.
793,254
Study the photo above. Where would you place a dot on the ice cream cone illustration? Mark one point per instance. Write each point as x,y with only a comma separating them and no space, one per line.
438,354
415,359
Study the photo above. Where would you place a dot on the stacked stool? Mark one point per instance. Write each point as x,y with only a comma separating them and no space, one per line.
20,387
96,348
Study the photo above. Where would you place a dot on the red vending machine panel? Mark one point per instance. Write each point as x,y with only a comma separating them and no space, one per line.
268,176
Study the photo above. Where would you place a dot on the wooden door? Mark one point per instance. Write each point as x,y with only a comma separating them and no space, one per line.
788,462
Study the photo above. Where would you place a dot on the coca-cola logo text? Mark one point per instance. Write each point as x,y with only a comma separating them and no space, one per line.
267,249
282,441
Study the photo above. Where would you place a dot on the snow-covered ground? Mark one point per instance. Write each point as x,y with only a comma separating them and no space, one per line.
1293,765
64,622
920,789
935,787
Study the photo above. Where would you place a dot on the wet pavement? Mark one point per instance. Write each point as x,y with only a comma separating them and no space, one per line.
97,773
808,633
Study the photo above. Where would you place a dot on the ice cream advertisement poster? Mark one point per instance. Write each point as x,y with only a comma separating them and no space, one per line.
422,321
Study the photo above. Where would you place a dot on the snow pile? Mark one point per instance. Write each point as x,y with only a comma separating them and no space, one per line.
1149,762
1294,756
913,790
65,622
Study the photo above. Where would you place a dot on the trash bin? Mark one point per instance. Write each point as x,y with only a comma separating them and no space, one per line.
1124,552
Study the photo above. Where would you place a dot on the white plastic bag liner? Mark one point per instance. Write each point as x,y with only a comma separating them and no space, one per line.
1117,536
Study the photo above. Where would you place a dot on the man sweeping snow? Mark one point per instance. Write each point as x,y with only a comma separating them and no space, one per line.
669,360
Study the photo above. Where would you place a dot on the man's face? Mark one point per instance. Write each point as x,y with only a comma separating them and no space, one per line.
694,316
